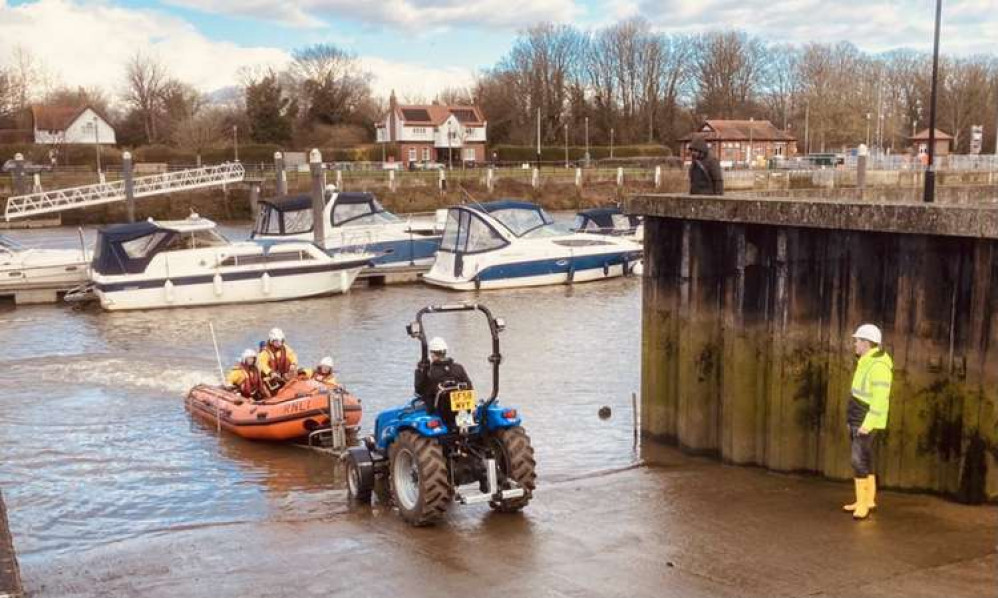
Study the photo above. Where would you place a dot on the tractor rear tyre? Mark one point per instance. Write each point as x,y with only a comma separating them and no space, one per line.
515,460
420,483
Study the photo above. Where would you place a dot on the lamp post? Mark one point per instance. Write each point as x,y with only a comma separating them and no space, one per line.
930,174
587,141
566,145
97,144
235,142
538,139
611,143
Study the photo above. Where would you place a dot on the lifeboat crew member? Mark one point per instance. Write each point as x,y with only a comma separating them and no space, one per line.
278,362
440,370
246,378
324,372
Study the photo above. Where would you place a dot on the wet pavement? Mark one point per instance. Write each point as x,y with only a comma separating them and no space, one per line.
688,527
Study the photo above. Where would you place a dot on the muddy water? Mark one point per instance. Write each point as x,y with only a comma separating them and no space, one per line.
97,447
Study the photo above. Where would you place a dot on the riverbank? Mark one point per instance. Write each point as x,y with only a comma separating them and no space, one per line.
688,527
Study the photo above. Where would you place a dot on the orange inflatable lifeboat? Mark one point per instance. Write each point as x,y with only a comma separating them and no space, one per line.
299,408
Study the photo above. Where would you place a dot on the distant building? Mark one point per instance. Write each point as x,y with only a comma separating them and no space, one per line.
60,125
737,141
944,143
433,133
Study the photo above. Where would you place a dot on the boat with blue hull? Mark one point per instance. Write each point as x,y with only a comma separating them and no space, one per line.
509,243
355,222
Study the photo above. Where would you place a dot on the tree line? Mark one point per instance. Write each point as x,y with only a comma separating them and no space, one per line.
628,82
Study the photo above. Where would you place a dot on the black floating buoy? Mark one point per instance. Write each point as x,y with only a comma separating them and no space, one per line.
604,412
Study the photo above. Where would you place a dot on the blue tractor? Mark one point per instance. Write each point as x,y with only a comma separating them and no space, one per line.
446,448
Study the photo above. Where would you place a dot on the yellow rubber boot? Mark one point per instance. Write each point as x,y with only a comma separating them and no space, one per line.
862,493
871,492
859,498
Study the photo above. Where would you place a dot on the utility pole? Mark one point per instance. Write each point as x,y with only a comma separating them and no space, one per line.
235,142
587,141
807,130
566,145
97,144
930,174
611,143
538,138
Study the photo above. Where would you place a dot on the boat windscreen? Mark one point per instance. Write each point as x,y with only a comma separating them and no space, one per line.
10,244
298,221
521,221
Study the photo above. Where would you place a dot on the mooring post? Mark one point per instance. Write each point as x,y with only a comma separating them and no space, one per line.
18,174
318,197
126,173
578,178
620,176
535,178
339,180
658,177
254,199
490,179
280,176
391,180
442,181
861,154
37,186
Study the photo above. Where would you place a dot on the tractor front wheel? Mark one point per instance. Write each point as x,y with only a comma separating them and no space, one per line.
515,460
420,485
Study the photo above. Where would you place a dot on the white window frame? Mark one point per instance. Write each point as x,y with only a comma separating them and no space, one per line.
426,154
412,154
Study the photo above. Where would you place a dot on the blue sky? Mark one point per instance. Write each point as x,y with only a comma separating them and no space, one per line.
420,46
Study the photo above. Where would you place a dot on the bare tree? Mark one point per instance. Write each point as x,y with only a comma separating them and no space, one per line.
728,69
146,79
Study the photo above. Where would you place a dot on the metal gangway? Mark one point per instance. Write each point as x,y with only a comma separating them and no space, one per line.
58,200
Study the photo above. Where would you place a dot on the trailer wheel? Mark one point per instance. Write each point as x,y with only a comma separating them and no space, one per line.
359,479
420,485
515,460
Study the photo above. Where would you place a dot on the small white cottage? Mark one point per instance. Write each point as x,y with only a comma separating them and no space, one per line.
59,125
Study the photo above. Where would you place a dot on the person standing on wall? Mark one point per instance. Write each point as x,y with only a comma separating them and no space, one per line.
705,171
867,413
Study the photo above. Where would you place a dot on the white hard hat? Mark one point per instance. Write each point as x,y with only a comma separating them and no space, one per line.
247,354
276,334
869,332
327,362
438,345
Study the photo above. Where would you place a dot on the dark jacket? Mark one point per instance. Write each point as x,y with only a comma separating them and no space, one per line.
429,377
705,173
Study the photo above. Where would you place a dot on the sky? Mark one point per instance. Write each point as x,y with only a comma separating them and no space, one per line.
419,47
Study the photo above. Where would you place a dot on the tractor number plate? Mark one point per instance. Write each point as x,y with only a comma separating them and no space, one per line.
462,400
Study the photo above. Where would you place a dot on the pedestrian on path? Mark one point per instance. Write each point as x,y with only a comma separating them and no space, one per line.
867,413
705,171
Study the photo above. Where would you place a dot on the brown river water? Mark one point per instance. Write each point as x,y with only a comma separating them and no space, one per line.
97,447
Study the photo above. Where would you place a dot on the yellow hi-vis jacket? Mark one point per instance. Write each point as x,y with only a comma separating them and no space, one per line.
282,361
871,385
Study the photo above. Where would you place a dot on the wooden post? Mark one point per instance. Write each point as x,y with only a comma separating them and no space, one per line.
280,176
535,178
391,179
620,176
442,179
254,199
18,174
339,180
658,177
490,182
578,178
318,197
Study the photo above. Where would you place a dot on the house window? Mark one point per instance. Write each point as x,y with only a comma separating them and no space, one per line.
469,154
778,150
412,154
426,154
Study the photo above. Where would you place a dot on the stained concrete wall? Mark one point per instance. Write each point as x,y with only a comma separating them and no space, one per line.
748,310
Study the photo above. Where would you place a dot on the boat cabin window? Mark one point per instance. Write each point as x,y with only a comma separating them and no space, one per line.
449,240
297,222
522,221
361,213
195,239
621,221
142,246
261,258
481,236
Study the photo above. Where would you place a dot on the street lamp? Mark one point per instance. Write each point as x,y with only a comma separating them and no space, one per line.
587,141
235,142
97,144
566,145
930,174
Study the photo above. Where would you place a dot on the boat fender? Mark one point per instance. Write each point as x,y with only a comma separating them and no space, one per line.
627,266
606,269
265,279
168,290
217,283
478,283
571,272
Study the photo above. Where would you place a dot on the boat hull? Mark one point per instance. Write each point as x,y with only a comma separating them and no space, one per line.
229,288
541,272
298,409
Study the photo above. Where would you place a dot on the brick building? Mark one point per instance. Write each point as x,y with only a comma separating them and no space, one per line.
738,141
417,133
944,143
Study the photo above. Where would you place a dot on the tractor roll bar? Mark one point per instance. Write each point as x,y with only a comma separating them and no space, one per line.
496,325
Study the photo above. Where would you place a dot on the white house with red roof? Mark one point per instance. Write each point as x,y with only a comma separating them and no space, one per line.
433,133
58,125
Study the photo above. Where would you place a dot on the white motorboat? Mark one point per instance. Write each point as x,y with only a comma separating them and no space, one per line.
25,269
609,221
152,264
355,221
507,243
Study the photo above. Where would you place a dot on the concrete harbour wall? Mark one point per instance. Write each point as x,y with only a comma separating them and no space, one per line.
748,309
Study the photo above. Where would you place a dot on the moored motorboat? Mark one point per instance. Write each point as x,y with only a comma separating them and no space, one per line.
609,220
508,243
301,408
186,263
355,221
26,268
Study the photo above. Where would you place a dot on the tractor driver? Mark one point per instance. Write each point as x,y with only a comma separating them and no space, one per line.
440,370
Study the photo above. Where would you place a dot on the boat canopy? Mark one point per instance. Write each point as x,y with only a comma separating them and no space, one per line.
128,248
292,214
609,219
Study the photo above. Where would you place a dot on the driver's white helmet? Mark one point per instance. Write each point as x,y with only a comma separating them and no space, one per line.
276,334
327,362
248,354
438,345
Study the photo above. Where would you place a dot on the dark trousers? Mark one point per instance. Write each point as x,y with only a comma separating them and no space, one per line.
862,452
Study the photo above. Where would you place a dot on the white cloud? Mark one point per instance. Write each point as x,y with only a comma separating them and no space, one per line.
968,27
405,14
87,43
